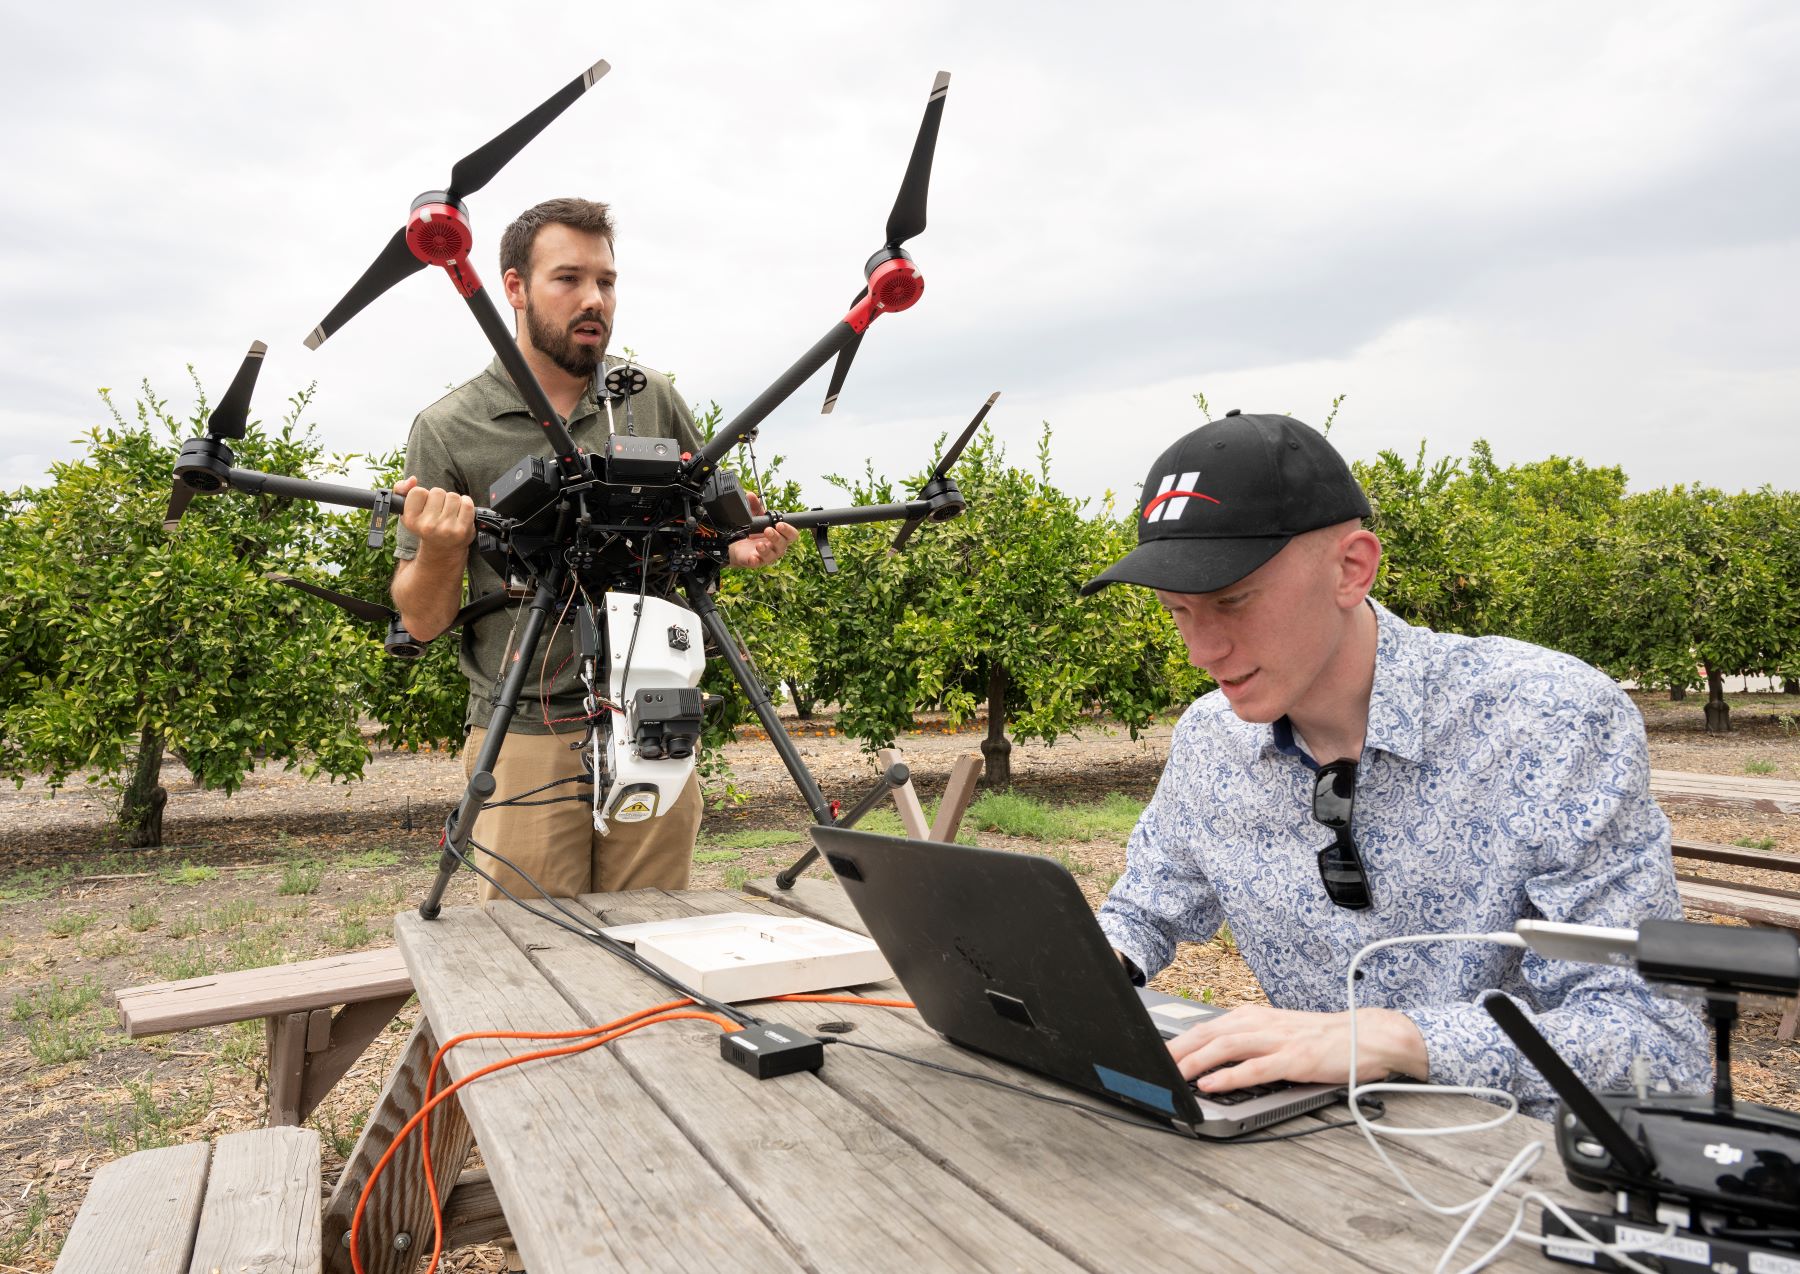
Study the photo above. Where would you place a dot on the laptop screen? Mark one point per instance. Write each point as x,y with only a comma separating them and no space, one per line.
1001,953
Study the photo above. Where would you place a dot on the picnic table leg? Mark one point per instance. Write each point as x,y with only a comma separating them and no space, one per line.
396,1230
1790,1021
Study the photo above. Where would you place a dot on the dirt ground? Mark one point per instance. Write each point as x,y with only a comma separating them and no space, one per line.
289,870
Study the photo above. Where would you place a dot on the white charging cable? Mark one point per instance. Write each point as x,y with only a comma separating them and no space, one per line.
1521,1163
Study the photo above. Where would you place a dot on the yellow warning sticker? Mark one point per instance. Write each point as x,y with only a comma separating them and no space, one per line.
635,810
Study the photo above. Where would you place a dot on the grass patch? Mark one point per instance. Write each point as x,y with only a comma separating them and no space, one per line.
245,1047
257,950
703,857
379,856
12,1247
1755,842
53,1043
1225,938
340,1137
56,1002
144,1123
40,882
189,874
1011,814
142,916
1757,765
737,878
232,916
300,878
191,961
351,933
189,926
1110,818
751,839
70,924
112,945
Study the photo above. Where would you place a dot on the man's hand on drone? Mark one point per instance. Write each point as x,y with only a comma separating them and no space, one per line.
443,520
765,548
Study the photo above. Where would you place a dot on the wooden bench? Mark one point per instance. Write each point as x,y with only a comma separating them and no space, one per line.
248,1202
310,1047
1754,904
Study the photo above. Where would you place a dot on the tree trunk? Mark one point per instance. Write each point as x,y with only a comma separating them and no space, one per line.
140,813
996,750
1677,693
803,703
1718,712
1790,685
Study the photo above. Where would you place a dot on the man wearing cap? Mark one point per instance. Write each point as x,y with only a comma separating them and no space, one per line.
1356,778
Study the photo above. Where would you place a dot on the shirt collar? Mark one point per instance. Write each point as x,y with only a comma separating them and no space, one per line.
1396,698
511,402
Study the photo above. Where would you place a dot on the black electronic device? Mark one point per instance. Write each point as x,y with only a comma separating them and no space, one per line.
638,517
768,1052
1722,1172
631,459
668,721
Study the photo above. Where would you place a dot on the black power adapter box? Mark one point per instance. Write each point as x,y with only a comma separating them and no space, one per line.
768,1051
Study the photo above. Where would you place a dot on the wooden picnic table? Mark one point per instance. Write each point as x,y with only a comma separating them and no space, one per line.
651,1153
1725,791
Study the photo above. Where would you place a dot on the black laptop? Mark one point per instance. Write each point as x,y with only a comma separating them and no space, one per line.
1002,955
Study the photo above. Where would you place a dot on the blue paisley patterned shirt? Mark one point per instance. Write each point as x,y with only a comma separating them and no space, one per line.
1498,781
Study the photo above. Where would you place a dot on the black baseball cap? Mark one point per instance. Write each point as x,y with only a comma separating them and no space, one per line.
1227,497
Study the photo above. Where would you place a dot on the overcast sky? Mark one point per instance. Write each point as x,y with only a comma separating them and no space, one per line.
1566,228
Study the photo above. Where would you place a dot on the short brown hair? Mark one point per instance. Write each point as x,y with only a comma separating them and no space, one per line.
586,215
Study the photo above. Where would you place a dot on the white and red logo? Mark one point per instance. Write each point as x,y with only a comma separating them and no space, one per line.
1172,496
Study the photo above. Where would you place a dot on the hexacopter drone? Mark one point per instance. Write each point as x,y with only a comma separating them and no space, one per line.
597,531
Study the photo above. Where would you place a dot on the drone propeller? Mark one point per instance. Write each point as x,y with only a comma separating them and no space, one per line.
895,289
374,612
941,471
433,240
228,420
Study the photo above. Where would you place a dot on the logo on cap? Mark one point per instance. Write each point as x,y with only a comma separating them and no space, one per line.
1171,499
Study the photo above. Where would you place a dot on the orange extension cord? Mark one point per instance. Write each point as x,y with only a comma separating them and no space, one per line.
591,1037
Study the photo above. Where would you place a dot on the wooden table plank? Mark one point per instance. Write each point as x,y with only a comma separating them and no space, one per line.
1727,791
601,1179
1113,1196
788,1146
262,1204
1452,1169
140,1214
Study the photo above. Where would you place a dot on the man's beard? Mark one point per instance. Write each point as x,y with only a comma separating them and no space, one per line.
560,346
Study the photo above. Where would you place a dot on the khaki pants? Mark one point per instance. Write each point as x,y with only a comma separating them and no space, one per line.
557,844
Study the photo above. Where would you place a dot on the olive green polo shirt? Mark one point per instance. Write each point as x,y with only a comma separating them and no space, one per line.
464,441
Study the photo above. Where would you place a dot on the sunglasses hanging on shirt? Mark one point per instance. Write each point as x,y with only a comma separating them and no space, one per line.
1340,864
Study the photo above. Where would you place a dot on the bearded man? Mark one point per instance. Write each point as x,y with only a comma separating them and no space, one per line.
559,275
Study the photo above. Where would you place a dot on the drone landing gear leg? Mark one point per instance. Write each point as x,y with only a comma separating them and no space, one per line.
893,777
460,826
759,698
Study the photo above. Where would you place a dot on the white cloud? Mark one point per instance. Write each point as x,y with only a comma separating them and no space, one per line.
1562,228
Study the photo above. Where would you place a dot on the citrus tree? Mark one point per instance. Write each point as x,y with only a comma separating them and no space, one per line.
983,611
119,640
418,703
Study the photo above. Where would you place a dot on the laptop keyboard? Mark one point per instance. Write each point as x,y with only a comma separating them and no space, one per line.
1232,1096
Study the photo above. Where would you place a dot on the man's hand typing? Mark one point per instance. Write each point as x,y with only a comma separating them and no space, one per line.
1257,1044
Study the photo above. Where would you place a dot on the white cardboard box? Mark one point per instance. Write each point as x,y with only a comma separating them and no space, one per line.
739,956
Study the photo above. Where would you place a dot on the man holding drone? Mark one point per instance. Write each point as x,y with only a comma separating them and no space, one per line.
1463,783
560,278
